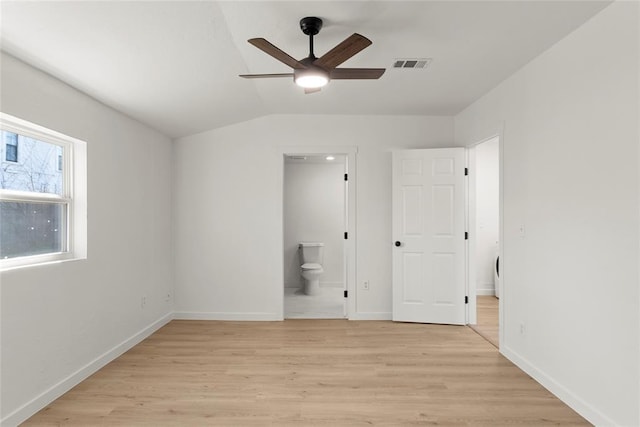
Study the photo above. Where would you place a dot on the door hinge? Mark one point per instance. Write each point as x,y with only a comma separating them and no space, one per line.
466,235
346,235
346,294
466,299
466,171
346,177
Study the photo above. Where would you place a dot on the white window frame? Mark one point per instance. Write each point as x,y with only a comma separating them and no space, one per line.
74,195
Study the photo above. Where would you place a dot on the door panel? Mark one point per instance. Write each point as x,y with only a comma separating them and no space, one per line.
412,280
412,210
443,210
428,221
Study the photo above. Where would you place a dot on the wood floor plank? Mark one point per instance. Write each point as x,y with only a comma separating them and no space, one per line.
309,373
487,318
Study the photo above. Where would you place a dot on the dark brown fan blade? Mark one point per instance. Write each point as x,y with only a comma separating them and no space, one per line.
307,91
278,54
265,76
343,51
356,73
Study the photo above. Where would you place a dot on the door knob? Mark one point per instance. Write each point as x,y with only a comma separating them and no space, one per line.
398,244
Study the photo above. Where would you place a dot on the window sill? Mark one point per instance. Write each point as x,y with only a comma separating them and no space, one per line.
37,261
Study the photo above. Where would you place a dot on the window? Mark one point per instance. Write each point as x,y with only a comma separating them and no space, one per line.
11,146
42,197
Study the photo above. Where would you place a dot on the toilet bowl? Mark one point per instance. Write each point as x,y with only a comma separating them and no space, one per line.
311,273
311,254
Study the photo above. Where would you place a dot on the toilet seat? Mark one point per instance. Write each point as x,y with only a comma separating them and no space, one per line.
311,266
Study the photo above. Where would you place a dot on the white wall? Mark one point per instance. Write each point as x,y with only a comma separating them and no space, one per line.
570,148
487,173
314,211
228,209
60,322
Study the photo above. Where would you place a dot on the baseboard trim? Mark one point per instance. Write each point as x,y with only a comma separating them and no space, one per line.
489,292
370,316
192,315
32,407
590,413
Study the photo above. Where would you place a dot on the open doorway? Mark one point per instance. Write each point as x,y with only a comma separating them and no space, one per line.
484,250
319,221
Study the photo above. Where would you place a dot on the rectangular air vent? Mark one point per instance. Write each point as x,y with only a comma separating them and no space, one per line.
412,63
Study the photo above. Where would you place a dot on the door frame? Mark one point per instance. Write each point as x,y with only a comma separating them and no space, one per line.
349,274
471,226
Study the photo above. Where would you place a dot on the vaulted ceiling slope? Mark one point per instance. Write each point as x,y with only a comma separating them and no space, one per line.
175,65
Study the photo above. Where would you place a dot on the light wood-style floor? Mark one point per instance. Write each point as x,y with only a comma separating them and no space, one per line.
309,373
487,321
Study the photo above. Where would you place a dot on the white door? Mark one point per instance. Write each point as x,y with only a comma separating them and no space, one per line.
429,236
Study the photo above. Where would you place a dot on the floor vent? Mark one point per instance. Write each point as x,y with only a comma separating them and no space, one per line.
412,63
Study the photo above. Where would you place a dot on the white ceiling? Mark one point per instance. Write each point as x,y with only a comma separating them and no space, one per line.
174,64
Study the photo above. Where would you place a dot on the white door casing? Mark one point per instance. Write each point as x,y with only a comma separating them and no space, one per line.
350,217
429,227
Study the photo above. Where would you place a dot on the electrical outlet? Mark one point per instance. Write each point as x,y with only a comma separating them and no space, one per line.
167,297
366,285
523,330
143,301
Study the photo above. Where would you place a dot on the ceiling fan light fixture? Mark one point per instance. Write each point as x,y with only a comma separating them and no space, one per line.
311,79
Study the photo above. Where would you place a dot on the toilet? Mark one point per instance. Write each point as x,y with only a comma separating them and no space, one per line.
311,269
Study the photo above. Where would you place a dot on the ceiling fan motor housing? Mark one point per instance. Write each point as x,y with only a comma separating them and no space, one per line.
312,75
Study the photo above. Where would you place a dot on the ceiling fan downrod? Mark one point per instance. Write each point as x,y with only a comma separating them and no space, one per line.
311,26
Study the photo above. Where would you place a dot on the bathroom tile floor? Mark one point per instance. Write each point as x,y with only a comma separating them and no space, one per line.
329,304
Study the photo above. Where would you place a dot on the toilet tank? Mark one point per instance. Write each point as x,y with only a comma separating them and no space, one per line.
311,252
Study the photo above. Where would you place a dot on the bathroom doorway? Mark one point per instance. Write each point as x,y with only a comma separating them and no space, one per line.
485,227
315,210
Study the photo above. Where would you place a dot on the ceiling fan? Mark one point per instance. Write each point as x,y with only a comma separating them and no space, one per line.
312,73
